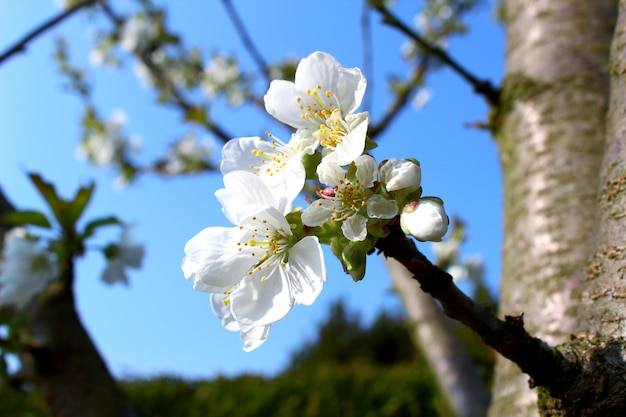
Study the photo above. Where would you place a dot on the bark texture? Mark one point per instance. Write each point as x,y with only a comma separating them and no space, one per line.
454,370
550,133
601,312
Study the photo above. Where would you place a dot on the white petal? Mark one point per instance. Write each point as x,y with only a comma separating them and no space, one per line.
317,213
354,229
306,270
221,308
281,101
254,336
350,89
330,173
319,68
260,301
285,178
244,189
351,146
302,141
366,170
379,207
213,261
262,217
237,154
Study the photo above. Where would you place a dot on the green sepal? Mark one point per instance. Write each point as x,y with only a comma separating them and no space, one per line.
351,174
310,163
25,218
354,257
370,144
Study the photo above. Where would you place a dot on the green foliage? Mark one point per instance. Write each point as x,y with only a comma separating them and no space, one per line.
348,370
343,341
17,403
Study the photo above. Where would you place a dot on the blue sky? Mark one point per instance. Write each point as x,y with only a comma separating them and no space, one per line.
159,324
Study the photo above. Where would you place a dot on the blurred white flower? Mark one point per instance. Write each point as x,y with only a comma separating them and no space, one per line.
137,33
26,268
187,154
221,74
447,250
124,254
106,144
422,97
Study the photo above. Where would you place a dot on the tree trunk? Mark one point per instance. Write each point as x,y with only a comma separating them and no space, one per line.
550,132
65,365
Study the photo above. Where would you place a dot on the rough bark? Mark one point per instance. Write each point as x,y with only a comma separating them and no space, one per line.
601,312
454,370
550,132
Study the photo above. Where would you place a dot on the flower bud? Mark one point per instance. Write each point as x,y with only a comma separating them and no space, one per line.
397,174
425,219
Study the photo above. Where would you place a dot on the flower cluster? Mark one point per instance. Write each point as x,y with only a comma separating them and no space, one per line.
271,259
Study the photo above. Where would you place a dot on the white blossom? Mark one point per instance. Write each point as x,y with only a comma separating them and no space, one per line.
350,199
261,267
322,101
124,254
187,153
106,145
27,267
136,33
278,163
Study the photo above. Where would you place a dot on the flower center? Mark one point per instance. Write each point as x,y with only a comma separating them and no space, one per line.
349,198
272,160
269,245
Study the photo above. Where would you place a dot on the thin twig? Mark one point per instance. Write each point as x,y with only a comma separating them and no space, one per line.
400,99
167,86
20,46
482,87
246,39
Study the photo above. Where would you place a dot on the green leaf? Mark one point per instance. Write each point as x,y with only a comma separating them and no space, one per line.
24,218
93,225
370,144
76,207
48,192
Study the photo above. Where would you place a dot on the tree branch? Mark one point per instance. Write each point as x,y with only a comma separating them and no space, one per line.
246,39
20,46
545,365
192,111
482,87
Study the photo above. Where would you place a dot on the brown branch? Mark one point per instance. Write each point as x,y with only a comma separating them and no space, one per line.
400,99
167,87
20,46
246,39
545,365
482,87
